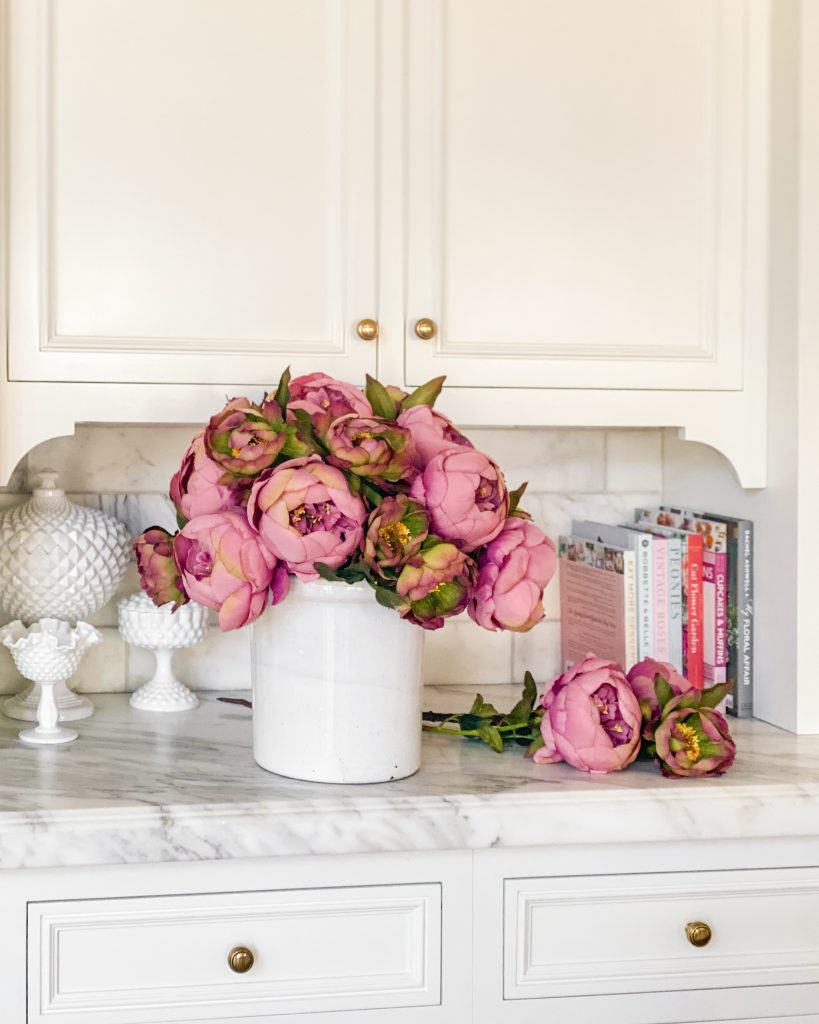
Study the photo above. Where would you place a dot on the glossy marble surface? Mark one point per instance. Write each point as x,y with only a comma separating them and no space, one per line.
140,787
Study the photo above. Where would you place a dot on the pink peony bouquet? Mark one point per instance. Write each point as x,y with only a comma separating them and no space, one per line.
598,719
322,480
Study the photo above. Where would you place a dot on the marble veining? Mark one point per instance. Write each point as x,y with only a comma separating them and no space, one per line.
142,788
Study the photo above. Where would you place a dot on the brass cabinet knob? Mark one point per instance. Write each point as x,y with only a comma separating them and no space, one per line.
698,933
240,959
425,328
367,330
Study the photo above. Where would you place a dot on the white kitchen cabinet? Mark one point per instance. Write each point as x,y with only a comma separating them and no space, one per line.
577,192
201,192
599,931
605,933
192,189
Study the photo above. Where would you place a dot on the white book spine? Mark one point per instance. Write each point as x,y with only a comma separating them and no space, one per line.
675,610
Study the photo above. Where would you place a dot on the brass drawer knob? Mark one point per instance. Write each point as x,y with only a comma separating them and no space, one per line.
367,330
425,328
240,959
698,933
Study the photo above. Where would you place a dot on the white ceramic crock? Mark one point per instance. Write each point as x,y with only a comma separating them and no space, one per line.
336,687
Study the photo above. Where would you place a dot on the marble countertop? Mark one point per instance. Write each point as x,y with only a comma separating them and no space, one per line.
140,788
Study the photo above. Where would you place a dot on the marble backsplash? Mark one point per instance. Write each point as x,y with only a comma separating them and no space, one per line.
124,470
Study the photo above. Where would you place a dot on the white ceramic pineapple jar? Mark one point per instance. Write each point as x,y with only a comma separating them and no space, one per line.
62,561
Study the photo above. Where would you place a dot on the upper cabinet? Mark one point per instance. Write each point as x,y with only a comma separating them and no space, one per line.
571,195
577,192
192,189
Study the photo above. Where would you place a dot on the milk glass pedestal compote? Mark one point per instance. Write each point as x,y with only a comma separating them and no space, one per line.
162,630
48,653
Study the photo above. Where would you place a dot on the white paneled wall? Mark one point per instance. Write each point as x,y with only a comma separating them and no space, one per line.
125,470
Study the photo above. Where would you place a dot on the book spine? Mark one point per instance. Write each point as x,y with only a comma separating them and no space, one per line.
744,703
630,585
645,623
662,644
675,604
721,616
694,631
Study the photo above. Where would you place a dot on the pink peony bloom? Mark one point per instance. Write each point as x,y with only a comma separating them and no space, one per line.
693,742
242,440
325,399
196,489
305,513
642,678
513,571
373,448
465,496
592,718
431,432
436,583
225,567
158,571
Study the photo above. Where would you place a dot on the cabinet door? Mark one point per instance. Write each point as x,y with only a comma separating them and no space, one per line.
576,187
191,189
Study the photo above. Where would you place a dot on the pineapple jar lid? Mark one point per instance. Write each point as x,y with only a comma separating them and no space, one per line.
59,559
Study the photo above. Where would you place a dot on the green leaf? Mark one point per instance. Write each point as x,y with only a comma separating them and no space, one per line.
380,399
326,572
389,598
304,424
354,483
714,695
427,394
490,735
537,743
488,711
662,690
515,496
373,496
181,521
690,700
522,711
282,396
294,447
529,688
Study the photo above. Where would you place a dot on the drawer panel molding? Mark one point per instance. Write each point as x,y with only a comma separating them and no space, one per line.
606,935
135,960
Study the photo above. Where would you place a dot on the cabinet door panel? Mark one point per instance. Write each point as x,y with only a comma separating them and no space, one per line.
576,191
192,192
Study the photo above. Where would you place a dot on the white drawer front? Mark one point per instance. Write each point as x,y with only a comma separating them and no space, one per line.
129,961
610,934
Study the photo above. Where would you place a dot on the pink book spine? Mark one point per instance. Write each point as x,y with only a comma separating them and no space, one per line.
662,642
721,616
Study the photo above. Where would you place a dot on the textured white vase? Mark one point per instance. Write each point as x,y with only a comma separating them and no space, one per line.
336,687
58,560
49,653
162,630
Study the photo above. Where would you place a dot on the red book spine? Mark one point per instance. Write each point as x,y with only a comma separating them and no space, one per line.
695,664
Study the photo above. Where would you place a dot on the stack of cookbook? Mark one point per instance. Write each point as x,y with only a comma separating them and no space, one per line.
674,585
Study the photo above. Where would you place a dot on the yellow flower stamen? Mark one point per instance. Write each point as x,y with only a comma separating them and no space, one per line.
363,435
394,536
688,734
235,453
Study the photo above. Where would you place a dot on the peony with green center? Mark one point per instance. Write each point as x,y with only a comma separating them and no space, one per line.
693,741
436,583
244,438
373,448
395,532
